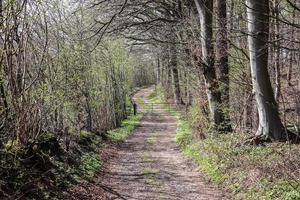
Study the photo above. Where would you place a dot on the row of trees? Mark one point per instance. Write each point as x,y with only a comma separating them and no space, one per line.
70,66
56,75
67,67
242,55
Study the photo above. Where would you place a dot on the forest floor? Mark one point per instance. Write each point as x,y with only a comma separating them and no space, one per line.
147,165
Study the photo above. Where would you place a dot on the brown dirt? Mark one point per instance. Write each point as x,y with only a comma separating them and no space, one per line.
148,165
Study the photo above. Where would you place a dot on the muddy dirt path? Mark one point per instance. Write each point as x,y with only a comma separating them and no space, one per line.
148,166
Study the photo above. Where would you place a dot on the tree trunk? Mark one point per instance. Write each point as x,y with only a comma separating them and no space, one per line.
174,67
205,11
222,58
2,90
89,120
177,91
291,57
168,82
175,75
270,125
158,78
277,52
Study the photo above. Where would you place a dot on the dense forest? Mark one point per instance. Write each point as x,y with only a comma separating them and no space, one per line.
70,72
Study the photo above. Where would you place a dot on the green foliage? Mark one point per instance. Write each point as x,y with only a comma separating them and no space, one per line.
266,189
90,163
127,126
207,163
197,119
157,96
35,171
142,104
183,133
81,84
46,161
243,170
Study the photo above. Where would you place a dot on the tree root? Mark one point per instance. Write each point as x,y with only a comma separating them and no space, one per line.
259,140
253,141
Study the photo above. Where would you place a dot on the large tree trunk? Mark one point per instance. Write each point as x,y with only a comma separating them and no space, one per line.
222,57
270,125
205,11
2,90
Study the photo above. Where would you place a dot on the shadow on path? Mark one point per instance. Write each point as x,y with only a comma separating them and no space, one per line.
147,165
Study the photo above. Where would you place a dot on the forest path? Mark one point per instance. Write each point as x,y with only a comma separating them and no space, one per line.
148,166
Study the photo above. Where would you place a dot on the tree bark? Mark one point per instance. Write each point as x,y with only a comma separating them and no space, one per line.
205,12
222,58
277,51
158,75
270,125
291,57
175,75
2,90
168,73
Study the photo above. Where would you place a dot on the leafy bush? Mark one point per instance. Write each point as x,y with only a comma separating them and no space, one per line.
90,164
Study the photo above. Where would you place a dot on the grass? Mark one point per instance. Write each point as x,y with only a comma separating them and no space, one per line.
248,172
148,171
142,104
151,171
127,126
152,137
157,96
90,164
148,145
269,172
147,156
152,182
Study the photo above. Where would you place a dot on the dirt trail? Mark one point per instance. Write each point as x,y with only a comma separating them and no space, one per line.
149,166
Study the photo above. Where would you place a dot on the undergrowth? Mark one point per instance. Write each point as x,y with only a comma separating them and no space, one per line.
90,163
43,169
127,126
269,172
